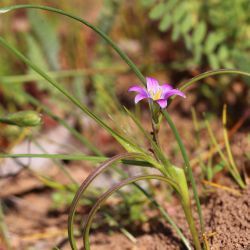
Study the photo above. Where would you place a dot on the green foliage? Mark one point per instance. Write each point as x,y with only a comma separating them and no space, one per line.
174,176
222,40
132,207
46,35
62,198
22,119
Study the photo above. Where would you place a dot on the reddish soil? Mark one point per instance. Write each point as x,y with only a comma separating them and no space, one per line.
33,222
227,218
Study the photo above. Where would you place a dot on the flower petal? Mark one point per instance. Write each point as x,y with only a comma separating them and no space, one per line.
139,90
152,84
174,92
140,97
163,103
166,87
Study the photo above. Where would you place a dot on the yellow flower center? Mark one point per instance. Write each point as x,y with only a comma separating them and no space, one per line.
156,95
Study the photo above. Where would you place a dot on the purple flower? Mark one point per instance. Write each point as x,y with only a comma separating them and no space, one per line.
155,92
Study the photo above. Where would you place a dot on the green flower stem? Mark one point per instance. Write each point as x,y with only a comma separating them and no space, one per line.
212,73
98,31
155,111
189,217
188,168
123,56
178,175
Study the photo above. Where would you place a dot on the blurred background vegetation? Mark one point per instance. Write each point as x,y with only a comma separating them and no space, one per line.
172,40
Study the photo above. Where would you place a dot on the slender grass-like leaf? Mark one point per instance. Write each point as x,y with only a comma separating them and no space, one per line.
4,232
72,130
211,73
112,190
204,168
98,31
85,185
123,141
188,171
19,79
124,161
227,144
155,147
98,171
234,172
75,157
228,149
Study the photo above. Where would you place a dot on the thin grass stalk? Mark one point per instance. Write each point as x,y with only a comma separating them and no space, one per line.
123,141
98,31
102,168
104,36
61,167
19,79
108,193
4,230
228,149
166,217
73,131
188,168
157,151
218,148
84,186
201,76
198,142
77,157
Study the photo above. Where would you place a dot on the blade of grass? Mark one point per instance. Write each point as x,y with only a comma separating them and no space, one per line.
211,73
228,149
113,189
155,147
130,162
4,230
123,141
59,164
98,31
218,148
212,184
73,131
188,168
74,157
19,79
84,186
98,171
204,168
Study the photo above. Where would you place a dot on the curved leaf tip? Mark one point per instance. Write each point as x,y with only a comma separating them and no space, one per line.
4,10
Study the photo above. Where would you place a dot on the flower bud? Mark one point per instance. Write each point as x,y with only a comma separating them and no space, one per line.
23,119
